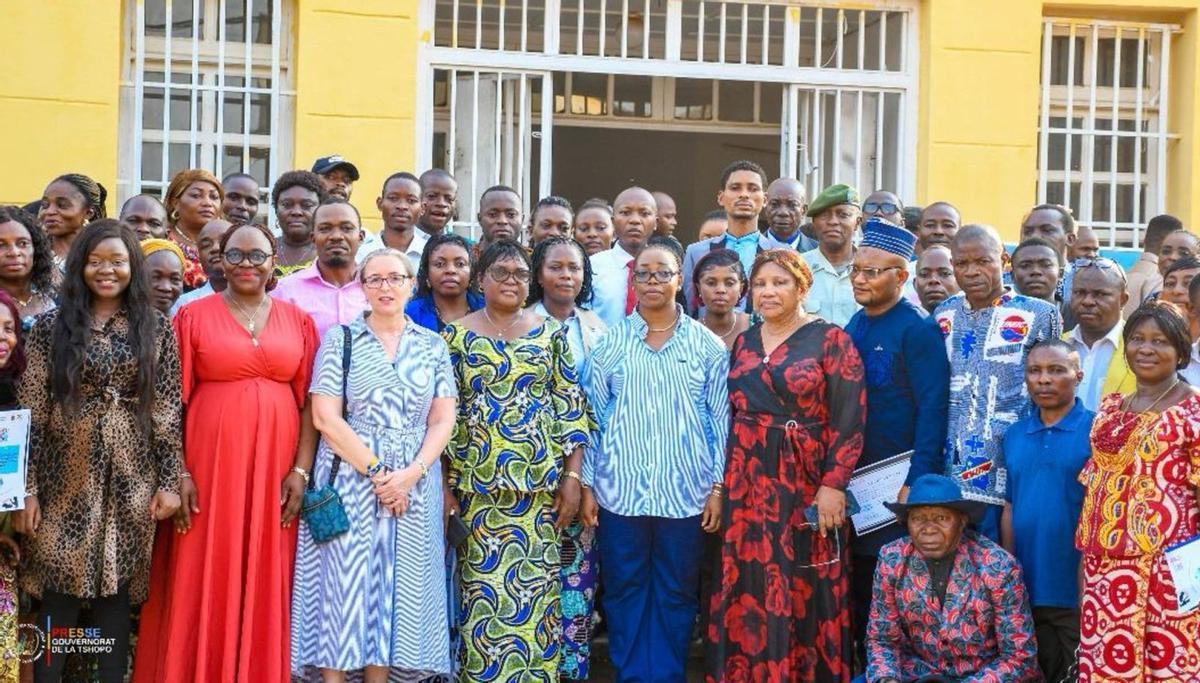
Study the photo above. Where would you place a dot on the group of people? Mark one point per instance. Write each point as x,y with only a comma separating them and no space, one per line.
413,456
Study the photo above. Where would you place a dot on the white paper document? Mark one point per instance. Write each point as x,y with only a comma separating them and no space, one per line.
14,454
1184,561
874,485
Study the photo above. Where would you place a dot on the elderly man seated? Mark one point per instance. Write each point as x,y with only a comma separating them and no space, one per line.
949,604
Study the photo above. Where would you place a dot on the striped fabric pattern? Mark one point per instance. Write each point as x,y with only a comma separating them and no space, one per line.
664,419
377,594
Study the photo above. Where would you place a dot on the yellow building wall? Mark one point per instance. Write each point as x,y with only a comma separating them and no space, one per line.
979,91
356,65
59,93
355,82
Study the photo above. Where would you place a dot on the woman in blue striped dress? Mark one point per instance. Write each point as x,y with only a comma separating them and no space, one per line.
374,597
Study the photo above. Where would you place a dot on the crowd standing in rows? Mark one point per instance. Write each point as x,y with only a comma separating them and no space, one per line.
419,457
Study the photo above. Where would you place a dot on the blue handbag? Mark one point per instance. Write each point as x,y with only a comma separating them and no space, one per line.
322,509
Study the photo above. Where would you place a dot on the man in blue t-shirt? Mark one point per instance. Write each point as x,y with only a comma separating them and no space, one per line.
1045,451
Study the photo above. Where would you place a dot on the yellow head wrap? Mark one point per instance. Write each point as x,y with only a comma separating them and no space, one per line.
154,244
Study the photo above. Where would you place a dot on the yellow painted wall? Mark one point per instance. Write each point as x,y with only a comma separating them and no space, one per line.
355,87
355,76
59,90
980,94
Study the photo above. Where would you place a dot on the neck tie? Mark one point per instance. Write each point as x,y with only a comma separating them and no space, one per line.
630,297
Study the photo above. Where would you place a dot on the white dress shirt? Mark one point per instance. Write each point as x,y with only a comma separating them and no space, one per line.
373,241
610,281
1192,372
1094,361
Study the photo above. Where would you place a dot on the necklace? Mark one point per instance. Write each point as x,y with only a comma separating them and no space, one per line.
502,332
183,236
250,317
1161,396
727,332
668,327
305,256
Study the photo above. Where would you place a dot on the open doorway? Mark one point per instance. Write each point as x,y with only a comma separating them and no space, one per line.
600,162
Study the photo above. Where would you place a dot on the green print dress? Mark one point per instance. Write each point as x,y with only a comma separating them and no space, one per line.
520,413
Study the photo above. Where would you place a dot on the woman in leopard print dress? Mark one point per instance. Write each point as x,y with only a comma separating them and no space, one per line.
103,386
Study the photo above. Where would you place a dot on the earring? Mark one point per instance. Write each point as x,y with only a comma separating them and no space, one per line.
174,216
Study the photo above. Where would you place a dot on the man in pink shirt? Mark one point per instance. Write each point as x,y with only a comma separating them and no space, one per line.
329,289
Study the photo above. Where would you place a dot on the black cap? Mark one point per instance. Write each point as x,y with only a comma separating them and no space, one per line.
327,164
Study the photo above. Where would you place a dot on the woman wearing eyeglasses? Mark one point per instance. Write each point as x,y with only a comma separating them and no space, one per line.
653,481
221,582
514,467
799,408
374,598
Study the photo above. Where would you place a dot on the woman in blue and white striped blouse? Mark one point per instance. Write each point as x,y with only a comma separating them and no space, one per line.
657,383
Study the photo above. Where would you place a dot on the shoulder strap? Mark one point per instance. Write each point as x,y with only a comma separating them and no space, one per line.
346,341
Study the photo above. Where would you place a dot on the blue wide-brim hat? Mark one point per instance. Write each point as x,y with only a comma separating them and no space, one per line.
937,490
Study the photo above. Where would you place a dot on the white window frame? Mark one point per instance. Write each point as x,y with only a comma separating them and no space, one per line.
1144,103
799,144
207,60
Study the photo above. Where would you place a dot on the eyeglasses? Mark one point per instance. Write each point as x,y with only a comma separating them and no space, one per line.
645,276
880,207
502,274
870,273
837,553
256,257
1100,262
377,281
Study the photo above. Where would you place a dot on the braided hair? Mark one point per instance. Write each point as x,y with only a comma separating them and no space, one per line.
94,194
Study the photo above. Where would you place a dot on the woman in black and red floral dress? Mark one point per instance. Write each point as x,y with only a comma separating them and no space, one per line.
781,612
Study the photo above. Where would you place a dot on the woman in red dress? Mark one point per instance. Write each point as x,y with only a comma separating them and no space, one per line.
781,612
221,581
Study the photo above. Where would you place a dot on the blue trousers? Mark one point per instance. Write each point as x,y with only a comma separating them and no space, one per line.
650,568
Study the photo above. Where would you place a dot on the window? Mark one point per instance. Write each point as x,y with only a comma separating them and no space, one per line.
1103,133
205,86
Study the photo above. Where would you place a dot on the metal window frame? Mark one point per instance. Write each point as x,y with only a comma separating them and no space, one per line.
1145,103
852,82
206,56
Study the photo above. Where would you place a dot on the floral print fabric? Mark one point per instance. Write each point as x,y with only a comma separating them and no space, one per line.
781,612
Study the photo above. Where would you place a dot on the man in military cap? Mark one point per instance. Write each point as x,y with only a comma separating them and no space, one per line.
836,216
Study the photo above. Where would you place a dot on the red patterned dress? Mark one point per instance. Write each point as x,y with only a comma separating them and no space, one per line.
1141,499
782,612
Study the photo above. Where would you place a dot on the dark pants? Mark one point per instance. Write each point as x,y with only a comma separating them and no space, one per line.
1057,631
862,584
110,615
650,567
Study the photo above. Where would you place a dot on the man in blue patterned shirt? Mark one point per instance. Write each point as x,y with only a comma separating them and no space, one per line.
988,330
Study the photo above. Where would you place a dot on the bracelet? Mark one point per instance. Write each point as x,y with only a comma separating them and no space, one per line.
574,475
375,467
185,475
301,471
423,466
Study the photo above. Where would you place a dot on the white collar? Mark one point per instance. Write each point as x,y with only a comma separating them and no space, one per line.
1113,337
